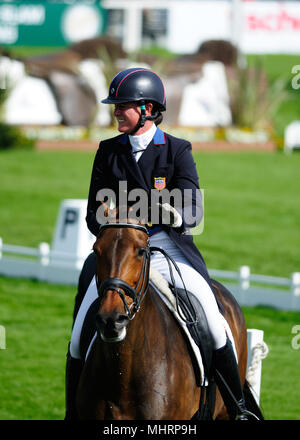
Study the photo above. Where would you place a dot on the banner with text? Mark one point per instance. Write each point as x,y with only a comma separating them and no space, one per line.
34,23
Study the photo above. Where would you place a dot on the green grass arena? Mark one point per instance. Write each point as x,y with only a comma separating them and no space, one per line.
252,217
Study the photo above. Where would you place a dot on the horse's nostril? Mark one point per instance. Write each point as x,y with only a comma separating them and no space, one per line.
122,318
122,321
116,321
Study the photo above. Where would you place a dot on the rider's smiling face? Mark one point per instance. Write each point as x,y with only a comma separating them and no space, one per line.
128,115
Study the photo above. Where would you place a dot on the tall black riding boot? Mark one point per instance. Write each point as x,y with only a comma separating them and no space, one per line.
74,369
228,381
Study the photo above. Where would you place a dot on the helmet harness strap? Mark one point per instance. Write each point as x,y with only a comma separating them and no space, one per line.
143,117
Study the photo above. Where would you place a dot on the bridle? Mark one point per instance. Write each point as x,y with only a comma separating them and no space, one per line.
121,286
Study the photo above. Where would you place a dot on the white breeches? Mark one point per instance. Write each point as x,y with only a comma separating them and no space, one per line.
89,298
194,283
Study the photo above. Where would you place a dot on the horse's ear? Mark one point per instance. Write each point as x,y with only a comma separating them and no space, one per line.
140,220
114,213
133,217
143,221
106,209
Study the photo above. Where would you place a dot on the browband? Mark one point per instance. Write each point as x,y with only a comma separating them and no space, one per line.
123,225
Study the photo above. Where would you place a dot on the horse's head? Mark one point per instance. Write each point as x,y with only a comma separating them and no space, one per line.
123,259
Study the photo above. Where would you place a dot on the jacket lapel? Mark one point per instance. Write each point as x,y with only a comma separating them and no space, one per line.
141,171
149,159
129,162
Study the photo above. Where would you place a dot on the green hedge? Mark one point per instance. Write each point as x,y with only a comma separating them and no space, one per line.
12,137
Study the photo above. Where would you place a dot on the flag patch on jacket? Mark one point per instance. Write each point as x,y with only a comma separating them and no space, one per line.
159,183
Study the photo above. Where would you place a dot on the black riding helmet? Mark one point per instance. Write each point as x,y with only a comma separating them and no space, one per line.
138,85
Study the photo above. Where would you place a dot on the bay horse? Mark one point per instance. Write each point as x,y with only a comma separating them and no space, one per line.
139,366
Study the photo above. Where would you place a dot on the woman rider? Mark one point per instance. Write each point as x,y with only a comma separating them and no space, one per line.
145,157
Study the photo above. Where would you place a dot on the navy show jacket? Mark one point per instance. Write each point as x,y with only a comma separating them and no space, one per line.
166,156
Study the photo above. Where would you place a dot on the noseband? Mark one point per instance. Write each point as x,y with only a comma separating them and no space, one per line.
121,286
